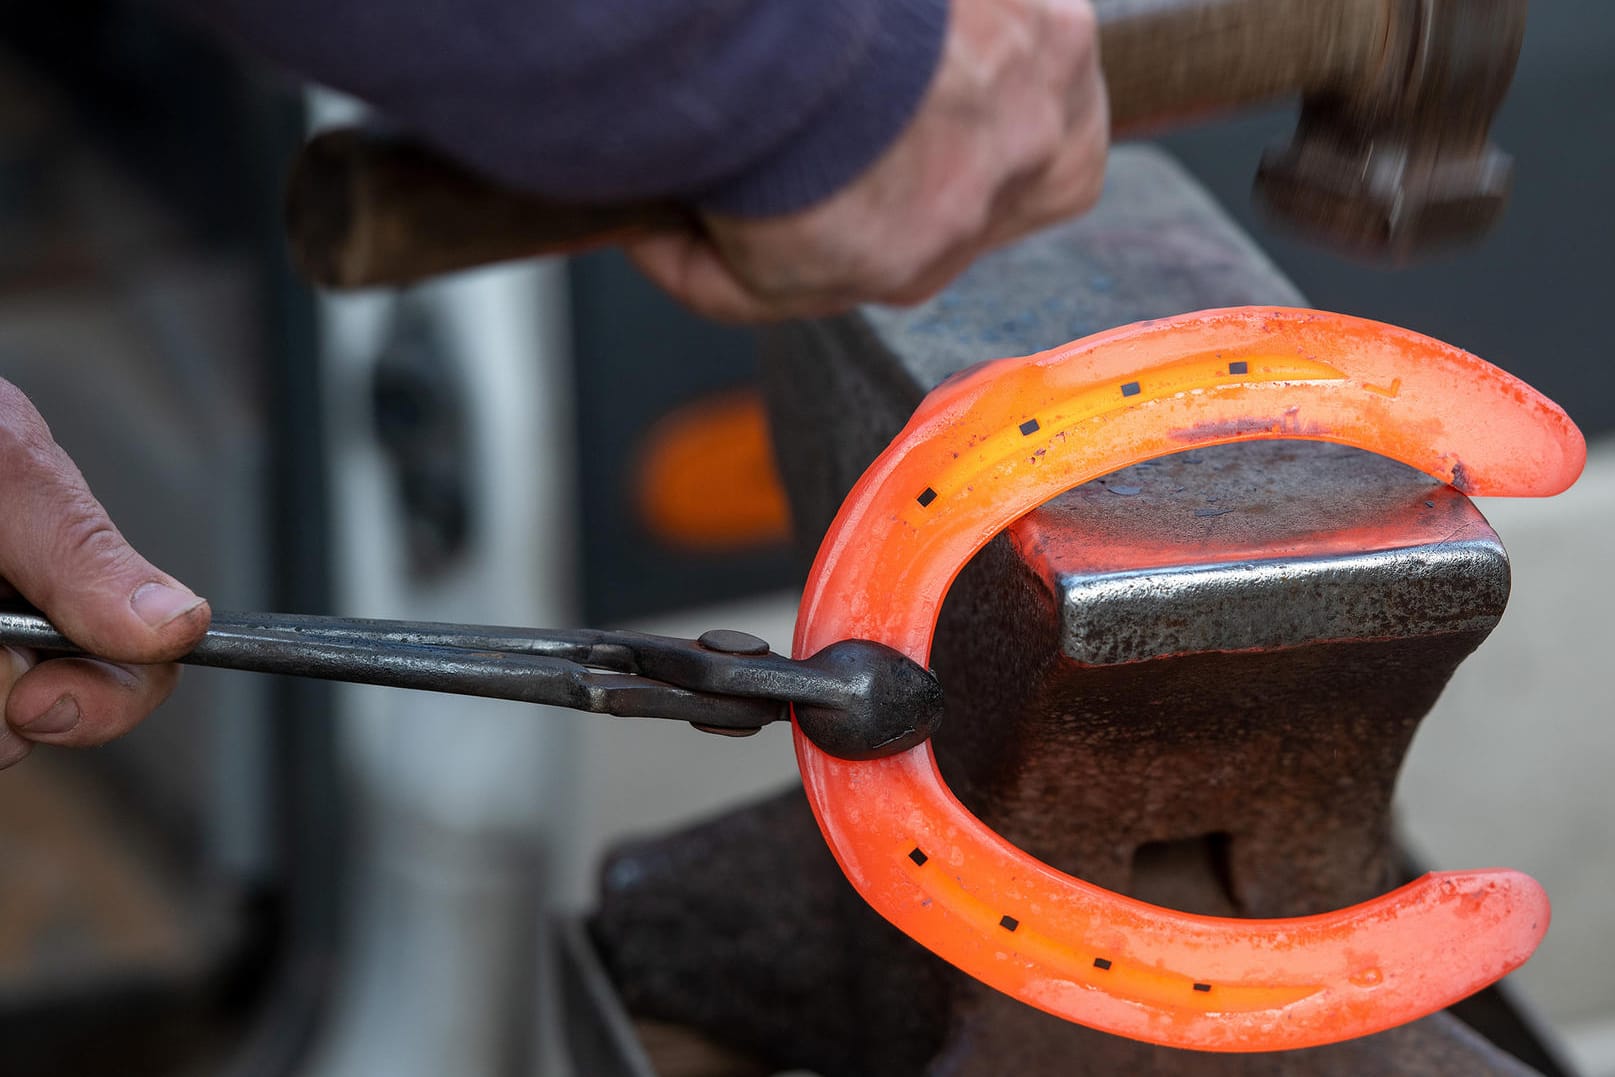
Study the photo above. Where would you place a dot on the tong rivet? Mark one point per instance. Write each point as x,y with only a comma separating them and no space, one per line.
728,641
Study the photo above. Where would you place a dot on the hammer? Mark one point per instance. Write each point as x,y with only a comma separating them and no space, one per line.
1391,157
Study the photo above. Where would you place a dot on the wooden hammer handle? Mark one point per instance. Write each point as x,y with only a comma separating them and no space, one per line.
365,208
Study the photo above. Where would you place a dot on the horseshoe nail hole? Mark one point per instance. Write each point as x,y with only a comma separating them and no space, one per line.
1190,874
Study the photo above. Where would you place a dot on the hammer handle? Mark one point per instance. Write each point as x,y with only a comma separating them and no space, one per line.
365,208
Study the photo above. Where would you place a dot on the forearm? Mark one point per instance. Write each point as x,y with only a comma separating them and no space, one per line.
744,106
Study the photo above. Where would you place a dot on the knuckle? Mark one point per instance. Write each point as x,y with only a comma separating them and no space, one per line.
86,533
85,540
880,276
895,272
1072,198
1043,132
1084,191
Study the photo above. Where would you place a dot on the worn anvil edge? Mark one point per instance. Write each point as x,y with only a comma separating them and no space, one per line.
1248,605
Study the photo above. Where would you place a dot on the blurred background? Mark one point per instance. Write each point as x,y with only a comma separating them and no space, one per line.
276,877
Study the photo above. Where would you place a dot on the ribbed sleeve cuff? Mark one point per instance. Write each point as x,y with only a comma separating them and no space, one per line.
853,125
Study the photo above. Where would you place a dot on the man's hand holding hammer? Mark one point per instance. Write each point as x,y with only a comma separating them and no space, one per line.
828,152
1011,136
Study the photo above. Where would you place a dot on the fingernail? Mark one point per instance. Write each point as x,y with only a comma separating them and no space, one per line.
62,716
158,603
20,663
13,749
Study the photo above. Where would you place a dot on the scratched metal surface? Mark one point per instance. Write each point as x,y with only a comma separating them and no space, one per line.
1214,550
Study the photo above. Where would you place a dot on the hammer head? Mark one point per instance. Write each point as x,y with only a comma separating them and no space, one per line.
1405,164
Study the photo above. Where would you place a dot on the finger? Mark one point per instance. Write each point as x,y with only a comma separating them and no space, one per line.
935,277
13,664
1066,185
62,553
692,271
686,267
1073,181
82,702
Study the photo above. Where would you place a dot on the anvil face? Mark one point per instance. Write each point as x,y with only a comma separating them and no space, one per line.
1218,549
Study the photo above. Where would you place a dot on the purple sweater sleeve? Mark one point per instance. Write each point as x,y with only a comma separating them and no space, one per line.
744,106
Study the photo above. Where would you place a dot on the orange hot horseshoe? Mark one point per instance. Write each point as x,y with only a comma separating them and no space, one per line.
995,442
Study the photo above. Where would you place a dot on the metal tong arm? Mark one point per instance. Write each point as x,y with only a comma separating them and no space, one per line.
727,681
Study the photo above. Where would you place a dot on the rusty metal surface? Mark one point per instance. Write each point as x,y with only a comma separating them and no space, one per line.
1099,712
745,929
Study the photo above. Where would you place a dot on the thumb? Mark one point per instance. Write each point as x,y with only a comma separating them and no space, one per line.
61,552
687,266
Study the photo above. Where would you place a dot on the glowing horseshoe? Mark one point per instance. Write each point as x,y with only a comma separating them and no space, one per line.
995,442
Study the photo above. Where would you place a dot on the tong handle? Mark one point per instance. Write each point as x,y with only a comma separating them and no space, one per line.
854,698
515,664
